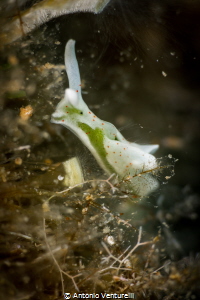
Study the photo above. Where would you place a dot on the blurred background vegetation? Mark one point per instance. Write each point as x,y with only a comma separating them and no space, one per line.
139,64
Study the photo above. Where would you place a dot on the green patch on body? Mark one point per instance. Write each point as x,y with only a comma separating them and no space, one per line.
72,110
96,138
67,111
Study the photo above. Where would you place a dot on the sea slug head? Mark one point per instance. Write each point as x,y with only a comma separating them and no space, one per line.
70,110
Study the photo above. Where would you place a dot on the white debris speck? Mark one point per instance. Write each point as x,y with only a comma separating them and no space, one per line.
165,224
84,210
60,177
169,155
110,240
164,74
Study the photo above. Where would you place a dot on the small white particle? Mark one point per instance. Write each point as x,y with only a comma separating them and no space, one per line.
84,210
110,240
60,177
164,74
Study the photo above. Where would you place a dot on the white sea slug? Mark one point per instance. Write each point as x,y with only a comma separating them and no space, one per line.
132,163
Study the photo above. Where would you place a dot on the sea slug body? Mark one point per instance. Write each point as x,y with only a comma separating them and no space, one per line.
112,151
